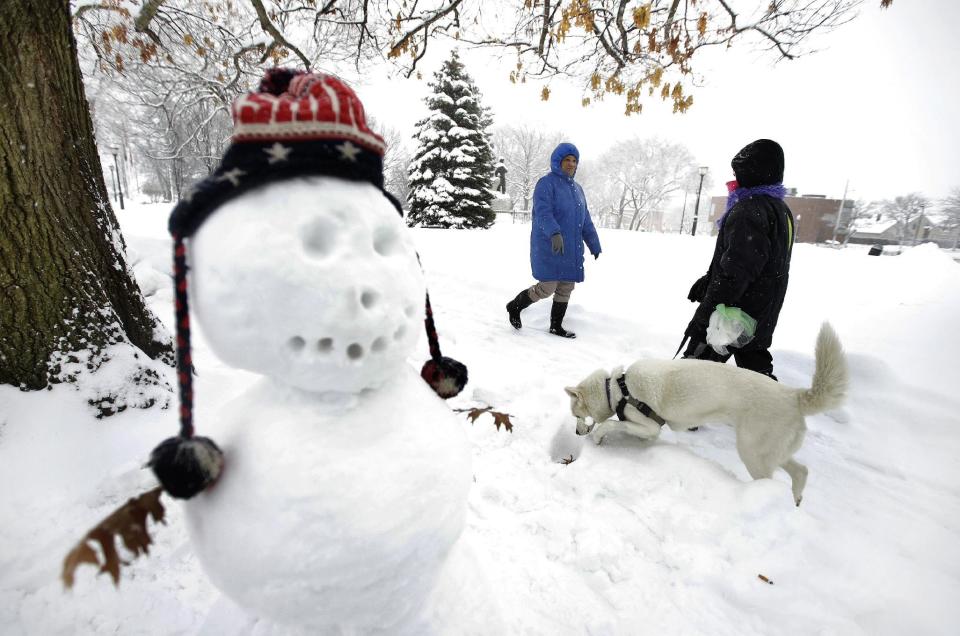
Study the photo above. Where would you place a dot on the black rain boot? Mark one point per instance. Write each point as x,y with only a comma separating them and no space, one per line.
556,317
515,306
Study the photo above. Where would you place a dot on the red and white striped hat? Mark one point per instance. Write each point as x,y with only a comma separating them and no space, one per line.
297,124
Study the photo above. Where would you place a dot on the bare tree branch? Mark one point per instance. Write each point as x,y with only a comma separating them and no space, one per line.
146,15
278,37
425,23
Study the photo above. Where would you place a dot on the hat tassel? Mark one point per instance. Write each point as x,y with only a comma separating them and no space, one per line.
446,376
185,465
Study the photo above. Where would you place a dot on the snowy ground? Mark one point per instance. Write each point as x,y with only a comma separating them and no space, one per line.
631,538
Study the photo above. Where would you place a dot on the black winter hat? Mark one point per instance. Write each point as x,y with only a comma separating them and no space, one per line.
296,124
758,163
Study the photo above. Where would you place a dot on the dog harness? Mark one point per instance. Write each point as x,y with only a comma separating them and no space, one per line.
626,398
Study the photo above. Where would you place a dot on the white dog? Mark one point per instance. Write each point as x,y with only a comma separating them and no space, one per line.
766,415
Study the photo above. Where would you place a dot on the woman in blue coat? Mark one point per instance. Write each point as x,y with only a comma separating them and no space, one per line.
561,225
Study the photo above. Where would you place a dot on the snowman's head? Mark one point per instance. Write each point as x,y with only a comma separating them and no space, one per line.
312,281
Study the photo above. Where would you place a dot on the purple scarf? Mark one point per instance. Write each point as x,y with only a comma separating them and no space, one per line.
775,190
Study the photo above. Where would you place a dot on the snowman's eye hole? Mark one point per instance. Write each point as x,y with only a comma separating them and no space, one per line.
369,298
319,238
386,241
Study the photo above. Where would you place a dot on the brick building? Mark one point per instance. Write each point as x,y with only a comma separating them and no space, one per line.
814,215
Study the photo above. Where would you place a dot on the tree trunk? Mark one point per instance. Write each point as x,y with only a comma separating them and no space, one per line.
621,207
66,293
637,217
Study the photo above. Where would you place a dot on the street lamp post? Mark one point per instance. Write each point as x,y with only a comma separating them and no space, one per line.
113,178
696,208
116,169
916,233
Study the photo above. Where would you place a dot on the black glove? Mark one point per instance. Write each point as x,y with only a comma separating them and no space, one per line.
596,256
698,289
556,242
697,329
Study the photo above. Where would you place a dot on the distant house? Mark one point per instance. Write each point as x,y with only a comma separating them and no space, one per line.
883,230
875,230
943,233
814,216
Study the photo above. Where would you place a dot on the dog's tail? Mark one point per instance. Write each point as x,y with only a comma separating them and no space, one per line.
829,385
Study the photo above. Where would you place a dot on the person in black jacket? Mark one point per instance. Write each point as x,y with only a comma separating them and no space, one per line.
751,260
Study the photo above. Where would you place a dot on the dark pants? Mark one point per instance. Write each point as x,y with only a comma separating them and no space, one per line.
758,360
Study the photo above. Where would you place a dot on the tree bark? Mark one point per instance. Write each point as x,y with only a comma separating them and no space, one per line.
66,292
621,206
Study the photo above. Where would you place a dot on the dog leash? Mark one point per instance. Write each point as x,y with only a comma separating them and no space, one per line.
682,342
626,398
696,352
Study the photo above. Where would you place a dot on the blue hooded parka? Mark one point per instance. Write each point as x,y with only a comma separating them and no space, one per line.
560,206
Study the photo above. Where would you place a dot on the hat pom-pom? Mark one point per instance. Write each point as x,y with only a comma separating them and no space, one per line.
445,375
186,466
276,80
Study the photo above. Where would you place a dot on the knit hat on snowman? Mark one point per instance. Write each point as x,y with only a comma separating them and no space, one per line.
297,124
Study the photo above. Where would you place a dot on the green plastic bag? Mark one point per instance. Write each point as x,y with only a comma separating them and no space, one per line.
730,327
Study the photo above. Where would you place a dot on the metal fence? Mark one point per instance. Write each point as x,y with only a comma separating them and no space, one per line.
521,216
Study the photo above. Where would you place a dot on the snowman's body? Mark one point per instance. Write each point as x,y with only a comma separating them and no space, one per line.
346,478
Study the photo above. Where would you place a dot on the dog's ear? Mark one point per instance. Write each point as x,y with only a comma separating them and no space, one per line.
573,391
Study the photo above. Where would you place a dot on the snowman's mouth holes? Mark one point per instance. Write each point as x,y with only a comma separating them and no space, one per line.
324,346
355,351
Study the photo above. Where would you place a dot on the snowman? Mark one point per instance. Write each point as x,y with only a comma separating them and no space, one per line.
337,490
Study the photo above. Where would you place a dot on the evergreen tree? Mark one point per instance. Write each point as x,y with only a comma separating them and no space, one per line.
451,171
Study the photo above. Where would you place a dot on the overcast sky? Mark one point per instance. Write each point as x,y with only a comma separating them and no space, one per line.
877,104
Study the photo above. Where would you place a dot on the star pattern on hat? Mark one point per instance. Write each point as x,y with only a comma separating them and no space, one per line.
278,152
348,151
233,176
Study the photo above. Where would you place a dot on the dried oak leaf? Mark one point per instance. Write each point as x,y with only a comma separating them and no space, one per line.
502,419
499,419
474,413
129,521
